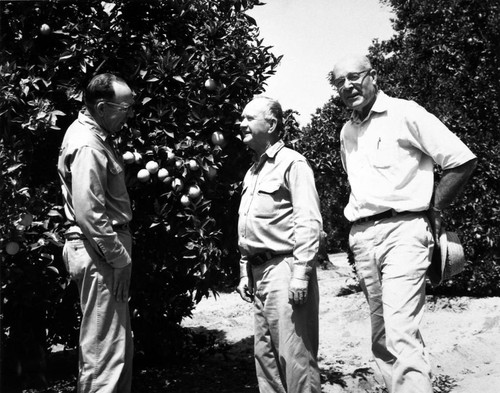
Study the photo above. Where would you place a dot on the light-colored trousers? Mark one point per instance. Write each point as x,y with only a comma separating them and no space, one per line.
286,335
391,259
106,344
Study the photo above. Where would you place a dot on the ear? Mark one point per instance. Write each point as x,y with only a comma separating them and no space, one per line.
273,123
374,75
99,108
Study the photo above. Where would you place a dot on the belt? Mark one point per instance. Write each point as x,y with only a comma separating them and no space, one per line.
381,216
262,257
121,227
74,236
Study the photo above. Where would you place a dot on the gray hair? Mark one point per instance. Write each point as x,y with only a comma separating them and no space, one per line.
274,111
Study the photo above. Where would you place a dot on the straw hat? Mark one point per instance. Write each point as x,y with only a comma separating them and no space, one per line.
448,260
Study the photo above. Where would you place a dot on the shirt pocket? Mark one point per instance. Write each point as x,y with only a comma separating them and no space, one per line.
114,167
116,185
386,154
267,199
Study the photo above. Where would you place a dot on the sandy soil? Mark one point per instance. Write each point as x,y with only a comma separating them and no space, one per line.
462,336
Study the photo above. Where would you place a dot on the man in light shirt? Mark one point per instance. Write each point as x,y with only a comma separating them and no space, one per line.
279,234
98,244
388,148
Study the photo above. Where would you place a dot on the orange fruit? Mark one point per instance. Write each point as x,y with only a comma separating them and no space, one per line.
177,184
128,157
12,248
152,167
193,165
185,201
210,84
162,174
218,138
26,219
143,175
211,172
194,192
45,29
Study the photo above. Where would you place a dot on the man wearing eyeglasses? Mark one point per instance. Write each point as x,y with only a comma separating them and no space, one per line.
388,149
97,251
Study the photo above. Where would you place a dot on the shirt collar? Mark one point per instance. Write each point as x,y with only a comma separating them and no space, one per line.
274,149
379,106
86,119
270,152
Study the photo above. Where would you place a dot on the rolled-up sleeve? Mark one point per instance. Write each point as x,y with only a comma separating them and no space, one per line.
431,136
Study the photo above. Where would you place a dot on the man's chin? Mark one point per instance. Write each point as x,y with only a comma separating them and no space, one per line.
355,102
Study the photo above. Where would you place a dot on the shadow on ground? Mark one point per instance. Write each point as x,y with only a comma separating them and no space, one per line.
215,367
219,367
209,366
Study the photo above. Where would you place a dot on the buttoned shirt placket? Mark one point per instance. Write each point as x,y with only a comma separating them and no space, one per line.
252,188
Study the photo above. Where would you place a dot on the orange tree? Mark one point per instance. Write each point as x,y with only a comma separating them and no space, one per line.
193,65
320,143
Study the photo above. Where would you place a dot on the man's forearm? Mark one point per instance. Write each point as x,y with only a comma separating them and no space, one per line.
452,183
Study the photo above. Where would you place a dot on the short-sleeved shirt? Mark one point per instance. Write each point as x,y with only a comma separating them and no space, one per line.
279,209
389,157
93,187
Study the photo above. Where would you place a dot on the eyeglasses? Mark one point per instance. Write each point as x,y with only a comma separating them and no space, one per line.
121,107
352,77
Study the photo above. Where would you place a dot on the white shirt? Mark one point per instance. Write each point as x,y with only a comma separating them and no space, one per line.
389,157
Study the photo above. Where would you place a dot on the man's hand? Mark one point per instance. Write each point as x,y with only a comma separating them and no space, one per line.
436,222
297,293
245,289
121,283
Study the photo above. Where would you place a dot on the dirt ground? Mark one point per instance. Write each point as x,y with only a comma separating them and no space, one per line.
462,335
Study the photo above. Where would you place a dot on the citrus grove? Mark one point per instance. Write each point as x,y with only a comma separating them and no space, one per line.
193,65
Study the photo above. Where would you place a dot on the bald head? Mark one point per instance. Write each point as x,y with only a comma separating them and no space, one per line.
352,62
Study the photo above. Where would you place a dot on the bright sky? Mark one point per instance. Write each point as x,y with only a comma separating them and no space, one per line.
311,34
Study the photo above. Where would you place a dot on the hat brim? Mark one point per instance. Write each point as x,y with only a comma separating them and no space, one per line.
448,258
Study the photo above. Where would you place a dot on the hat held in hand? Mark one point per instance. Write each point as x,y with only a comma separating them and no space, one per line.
447,259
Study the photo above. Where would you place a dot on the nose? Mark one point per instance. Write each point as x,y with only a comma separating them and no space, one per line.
347,84
243,123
